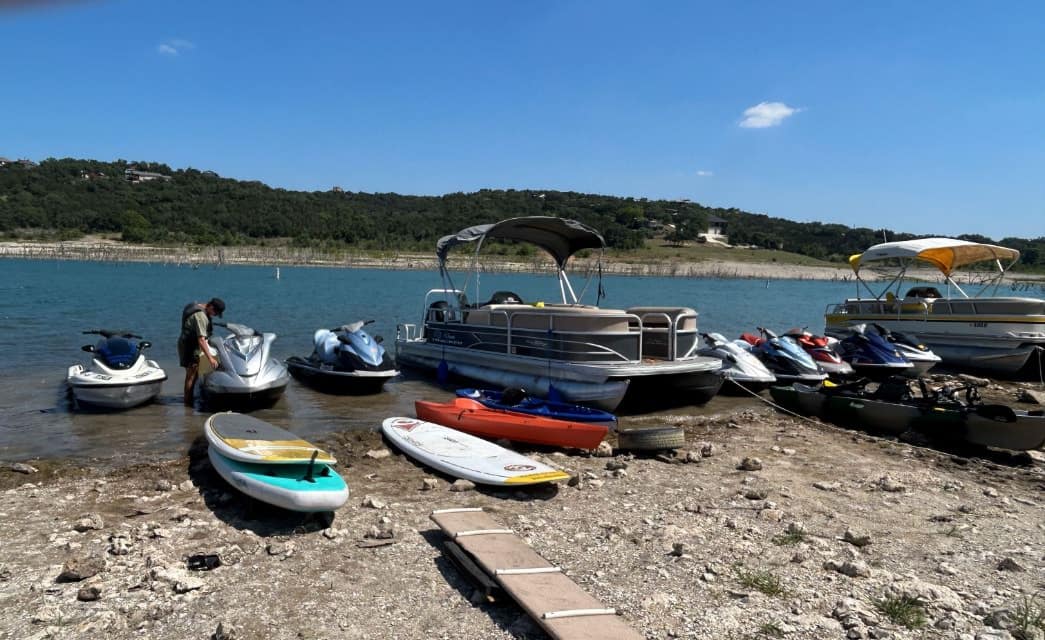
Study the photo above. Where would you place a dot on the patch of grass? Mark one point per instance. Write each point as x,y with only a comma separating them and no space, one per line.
763,581
789,538
904,611
770,630
1028,615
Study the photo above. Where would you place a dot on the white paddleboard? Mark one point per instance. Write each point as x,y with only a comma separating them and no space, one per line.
247,439
465,456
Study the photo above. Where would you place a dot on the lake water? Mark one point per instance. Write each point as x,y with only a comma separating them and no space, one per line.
46,305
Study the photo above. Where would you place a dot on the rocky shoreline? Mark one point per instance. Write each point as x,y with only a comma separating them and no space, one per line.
766,526
110,251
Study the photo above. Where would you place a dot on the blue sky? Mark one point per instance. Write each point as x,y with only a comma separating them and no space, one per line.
926,117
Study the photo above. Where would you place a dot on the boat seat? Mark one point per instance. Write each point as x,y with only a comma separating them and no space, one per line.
504,297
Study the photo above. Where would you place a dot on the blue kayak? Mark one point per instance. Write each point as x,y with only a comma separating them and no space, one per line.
516,400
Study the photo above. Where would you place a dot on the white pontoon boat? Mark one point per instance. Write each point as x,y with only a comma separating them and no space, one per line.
982,331
578,352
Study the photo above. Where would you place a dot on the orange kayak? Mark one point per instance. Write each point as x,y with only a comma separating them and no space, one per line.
465,414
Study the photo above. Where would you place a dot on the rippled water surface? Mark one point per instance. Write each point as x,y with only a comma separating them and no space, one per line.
46,305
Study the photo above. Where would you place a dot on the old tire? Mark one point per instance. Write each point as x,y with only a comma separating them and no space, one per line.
651,439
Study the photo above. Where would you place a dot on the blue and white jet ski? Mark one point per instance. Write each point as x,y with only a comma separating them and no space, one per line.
345,360
119,376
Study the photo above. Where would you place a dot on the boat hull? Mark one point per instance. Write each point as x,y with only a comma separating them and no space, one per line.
599,392
338,382
87,389
470,416
1016,430
1000,345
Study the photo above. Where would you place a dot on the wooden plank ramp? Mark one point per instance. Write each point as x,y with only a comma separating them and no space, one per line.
557,603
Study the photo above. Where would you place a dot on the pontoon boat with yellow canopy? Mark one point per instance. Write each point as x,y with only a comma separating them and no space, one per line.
982,330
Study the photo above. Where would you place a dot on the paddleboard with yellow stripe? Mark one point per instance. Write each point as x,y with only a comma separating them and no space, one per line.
246,439
465,456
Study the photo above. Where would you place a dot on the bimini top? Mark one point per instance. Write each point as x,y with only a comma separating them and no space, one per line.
558,236
946,254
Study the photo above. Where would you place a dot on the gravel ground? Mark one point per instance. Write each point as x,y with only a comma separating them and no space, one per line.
766,526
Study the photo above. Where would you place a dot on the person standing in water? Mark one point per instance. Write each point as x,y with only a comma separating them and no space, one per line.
192,343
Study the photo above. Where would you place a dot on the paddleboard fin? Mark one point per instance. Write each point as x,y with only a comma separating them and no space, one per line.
311,465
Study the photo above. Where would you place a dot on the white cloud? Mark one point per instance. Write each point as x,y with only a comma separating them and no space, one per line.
174,47
704,174
766,114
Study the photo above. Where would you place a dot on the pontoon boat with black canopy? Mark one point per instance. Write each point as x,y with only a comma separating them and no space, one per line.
578,352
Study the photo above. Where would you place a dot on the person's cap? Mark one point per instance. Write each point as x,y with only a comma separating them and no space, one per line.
218,305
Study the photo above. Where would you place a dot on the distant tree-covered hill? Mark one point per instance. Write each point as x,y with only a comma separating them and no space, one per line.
147,202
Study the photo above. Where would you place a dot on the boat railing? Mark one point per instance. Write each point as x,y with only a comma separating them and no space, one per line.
511,322
906,309
661,331
408,332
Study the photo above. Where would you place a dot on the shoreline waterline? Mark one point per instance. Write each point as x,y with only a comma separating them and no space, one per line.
304,257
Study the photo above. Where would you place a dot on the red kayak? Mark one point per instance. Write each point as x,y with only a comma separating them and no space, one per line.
465,414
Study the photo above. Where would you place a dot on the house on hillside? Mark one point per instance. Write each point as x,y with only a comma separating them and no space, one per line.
716,230
133,175
5,161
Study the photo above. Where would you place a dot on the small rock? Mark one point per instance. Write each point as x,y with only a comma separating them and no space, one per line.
78,569
851,568
21,467
163,484
186,486
381,531
331,533
691,456
89,522
707,449
373,503
378,454
798,558
596,484
276,548
574,481
855,539
462,485
615,465
1008,564
88,594
428,484
678,549
827,486
750,464
947,569
999,619
604,450
756,494
788,452
771,515
990,492
885,483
